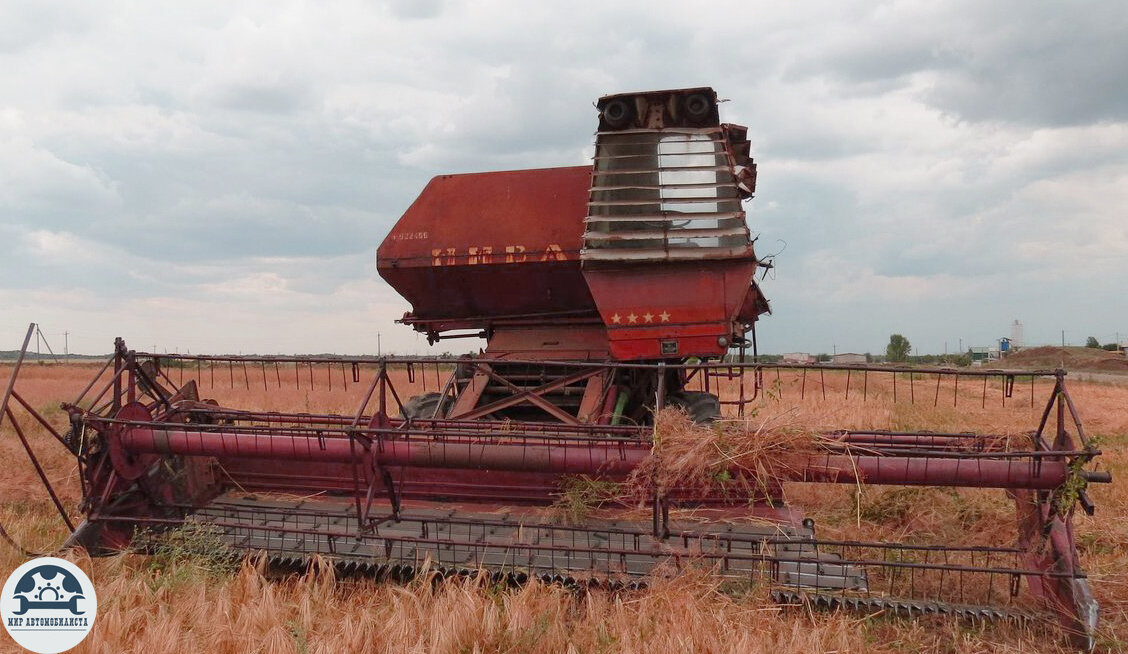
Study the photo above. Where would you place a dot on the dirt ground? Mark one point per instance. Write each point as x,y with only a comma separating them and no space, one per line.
1075,359
172,604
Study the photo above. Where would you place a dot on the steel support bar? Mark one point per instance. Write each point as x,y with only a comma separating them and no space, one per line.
39,470
532,396
708,366
15,373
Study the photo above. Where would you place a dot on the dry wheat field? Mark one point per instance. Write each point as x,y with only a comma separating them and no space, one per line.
173,603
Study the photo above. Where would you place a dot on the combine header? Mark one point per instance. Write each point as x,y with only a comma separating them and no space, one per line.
605,294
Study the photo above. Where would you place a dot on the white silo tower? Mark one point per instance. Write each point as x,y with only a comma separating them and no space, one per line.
1016,336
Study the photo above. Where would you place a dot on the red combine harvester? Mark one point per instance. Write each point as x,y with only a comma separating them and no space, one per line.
604,293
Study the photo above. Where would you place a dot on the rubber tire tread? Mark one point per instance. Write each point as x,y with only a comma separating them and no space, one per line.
422,406
702,407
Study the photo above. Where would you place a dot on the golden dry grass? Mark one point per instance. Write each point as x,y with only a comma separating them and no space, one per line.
183,607
734,455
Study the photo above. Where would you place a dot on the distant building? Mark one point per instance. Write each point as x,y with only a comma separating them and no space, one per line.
984,353
797,357
849,358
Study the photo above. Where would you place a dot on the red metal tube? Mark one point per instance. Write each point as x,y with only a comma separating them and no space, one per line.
929,471
613,459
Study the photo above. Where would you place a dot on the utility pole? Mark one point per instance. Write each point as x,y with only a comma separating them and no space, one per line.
378,352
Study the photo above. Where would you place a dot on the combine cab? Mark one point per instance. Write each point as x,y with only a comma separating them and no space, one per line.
605,294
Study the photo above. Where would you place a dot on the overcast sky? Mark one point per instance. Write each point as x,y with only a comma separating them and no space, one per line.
217,176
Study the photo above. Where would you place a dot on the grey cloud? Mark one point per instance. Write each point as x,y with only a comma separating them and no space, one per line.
914,158
24,25
264,96
1044,66
1031,62
416,9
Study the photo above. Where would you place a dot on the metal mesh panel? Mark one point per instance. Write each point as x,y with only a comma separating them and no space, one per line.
664,195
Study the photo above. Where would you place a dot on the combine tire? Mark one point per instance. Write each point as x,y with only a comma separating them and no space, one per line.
70,439
423,406
702,407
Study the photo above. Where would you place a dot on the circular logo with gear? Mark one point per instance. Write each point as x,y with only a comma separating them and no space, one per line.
48,605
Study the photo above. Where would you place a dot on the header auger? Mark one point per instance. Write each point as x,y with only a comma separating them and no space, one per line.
606,294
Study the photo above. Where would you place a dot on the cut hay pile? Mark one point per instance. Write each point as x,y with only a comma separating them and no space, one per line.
734,456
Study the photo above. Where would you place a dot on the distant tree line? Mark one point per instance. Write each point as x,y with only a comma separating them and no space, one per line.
1094,343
